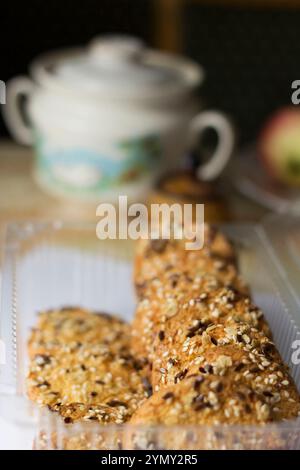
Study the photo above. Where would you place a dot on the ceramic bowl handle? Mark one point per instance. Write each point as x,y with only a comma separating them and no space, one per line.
14,113
226,139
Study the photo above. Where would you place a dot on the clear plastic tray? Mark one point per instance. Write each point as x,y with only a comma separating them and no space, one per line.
55,264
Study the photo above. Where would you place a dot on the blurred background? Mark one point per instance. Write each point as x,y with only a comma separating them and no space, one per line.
250,50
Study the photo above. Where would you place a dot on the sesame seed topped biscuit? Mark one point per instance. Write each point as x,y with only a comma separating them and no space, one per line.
96,378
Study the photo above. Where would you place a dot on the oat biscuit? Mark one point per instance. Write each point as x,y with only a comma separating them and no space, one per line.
202,404
97,380
164,308
153,256
231,348
215,399
222,315
166,274
210,349
72,325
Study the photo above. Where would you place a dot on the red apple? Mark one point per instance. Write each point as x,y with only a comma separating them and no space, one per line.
279,146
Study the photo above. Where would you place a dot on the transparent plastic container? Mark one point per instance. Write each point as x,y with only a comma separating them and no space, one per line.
56,264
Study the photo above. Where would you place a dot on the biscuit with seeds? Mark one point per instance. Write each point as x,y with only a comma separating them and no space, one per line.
85,375
154,256
75,325
230,348
212,400
88,375
195,273
215,399
91,436
165,308
166,274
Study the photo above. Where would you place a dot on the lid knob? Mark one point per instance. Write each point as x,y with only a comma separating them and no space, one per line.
112,50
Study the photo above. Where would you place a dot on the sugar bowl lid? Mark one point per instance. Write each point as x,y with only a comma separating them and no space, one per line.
120,66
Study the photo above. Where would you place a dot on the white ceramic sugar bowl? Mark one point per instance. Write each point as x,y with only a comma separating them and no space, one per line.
107,119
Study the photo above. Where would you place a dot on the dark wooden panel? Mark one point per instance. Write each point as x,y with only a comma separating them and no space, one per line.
251,56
